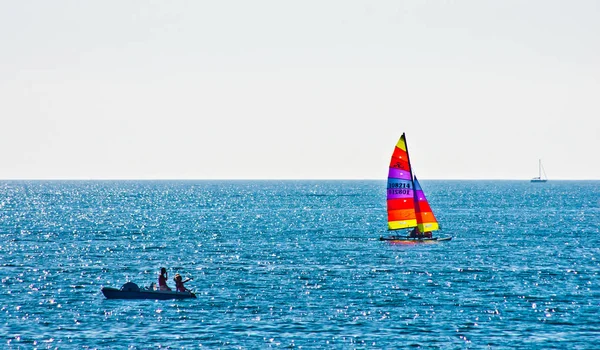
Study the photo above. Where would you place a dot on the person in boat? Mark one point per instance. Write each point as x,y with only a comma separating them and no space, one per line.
179,283
415,233
162,280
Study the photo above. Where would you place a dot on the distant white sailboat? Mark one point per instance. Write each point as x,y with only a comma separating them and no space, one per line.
539,178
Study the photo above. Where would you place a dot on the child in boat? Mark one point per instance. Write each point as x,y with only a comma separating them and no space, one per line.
179,283
162,279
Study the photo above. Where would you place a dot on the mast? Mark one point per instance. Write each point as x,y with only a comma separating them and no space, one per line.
412,181
540,168
544,171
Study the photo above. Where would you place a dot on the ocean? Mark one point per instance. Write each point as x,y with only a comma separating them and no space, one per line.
299,265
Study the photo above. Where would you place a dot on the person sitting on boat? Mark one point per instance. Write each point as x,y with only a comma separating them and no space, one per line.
179,283
162,279
415,233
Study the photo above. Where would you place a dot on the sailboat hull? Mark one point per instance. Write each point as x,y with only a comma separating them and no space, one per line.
407,240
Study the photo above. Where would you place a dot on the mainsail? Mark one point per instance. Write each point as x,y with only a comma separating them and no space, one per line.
400,194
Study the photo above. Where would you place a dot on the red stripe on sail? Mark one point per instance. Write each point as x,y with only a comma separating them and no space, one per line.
401,215
394,204
424,207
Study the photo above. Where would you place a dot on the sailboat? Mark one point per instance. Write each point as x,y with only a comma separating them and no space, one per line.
407,206
539,178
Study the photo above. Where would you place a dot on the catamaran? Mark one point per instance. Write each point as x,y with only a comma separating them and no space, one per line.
407,206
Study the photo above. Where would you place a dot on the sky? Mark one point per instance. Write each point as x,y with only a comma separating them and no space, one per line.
298,89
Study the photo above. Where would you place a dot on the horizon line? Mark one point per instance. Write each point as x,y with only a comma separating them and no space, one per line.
274,179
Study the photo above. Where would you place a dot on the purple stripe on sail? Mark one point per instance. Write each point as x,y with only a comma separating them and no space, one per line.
420,194
419,197
399,174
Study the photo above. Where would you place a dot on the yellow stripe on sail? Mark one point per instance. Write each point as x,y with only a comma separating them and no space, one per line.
428,226
401,143
396,225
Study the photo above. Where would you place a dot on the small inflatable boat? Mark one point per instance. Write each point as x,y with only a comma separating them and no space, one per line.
131,290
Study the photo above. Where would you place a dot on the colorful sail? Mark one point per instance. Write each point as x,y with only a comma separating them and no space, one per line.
426,221
400,196
407,206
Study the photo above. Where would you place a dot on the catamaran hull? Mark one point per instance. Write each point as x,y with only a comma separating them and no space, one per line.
114,293
406,240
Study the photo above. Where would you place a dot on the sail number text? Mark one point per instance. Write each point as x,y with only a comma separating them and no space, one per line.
399,185
399,191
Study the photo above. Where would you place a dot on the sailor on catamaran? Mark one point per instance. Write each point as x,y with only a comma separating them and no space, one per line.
415,233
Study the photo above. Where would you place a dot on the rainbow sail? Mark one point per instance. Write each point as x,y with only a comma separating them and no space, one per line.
426,221
400,194
407,205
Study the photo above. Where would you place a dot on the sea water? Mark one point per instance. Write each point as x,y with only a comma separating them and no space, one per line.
298,264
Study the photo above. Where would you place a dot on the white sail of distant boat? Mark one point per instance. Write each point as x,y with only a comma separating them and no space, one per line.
539,178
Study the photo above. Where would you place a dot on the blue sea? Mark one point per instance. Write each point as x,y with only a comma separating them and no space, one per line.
299,265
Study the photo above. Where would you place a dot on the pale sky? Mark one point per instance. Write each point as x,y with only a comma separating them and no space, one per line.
298,89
